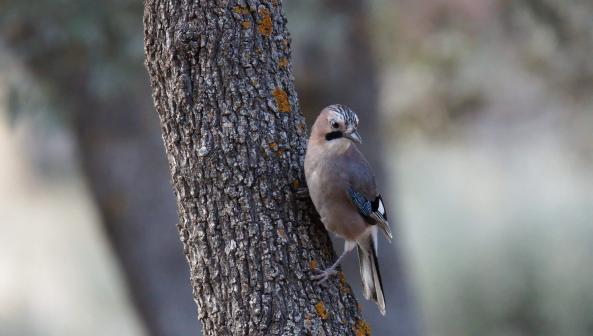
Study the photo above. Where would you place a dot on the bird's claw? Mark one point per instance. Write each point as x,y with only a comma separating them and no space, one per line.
323,275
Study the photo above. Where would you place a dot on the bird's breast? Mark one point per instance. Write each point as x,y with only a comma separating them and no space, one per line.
337,212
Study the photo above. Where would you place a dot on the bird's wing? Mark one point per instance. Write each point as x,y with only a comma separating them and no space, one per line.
362,189
374,210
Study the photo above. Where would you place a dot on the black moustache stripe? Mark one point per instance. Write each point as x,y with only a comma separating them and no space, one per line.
333,135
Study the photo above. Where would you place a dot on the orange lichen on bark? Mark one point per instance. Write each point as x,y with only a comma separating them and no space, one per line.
344,288
313,264
246,24
362,328
265,25
282,234
295,184
281,100
321,311
276,148
241,10
283,62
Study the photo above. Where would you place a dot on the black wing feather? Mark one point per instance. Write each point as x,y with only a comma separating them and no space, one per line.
374,210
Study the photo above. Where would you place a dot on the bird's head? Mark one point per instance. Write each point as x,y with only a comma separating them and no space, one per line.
335,122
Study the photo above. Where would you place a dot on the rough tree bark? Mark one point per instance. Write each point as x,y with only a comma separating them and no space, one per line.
235,139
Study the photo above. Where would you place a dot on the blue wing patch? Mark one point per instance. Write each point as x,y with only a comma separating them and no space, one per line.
364,206
374,210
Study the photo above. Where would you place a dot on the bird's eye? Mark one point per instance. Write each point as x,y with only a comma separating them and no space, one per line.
334,124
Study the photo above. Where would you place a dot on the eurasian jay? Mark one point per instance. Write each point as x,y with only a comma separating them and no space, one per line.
342,187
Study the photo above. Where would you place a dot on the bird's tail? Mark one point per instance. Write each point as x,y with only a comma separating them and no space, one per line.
369,271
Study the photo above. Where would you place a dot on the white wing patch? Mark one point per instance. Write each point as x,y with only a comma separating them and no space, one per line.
381,208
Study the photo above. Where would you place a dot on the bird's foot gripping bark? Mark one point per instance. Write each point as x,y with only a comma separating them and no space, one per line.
323,275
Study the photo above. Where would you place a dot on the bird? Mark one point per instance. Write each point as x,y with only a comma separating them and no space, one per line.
342,187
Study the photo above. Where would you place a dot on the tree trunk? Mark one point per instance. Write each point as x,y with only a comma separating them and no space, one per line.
235,140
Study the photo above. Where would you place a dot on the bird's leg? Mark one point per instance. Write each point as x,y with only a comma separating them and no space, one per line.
325,274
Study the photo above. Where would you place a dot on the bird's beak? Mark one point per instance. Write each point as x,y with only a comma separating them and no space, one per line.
354,136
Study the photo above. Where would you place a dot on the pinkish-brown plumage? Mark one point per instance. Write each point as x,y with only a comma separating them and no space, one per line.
335,169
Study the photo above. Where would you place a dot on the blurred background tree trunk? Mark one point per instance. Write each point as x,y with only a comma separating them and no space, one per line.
235,139
119,142
119,147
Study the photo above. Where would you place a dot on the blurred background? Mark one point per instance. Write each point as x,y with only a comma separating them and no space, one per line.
477,114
